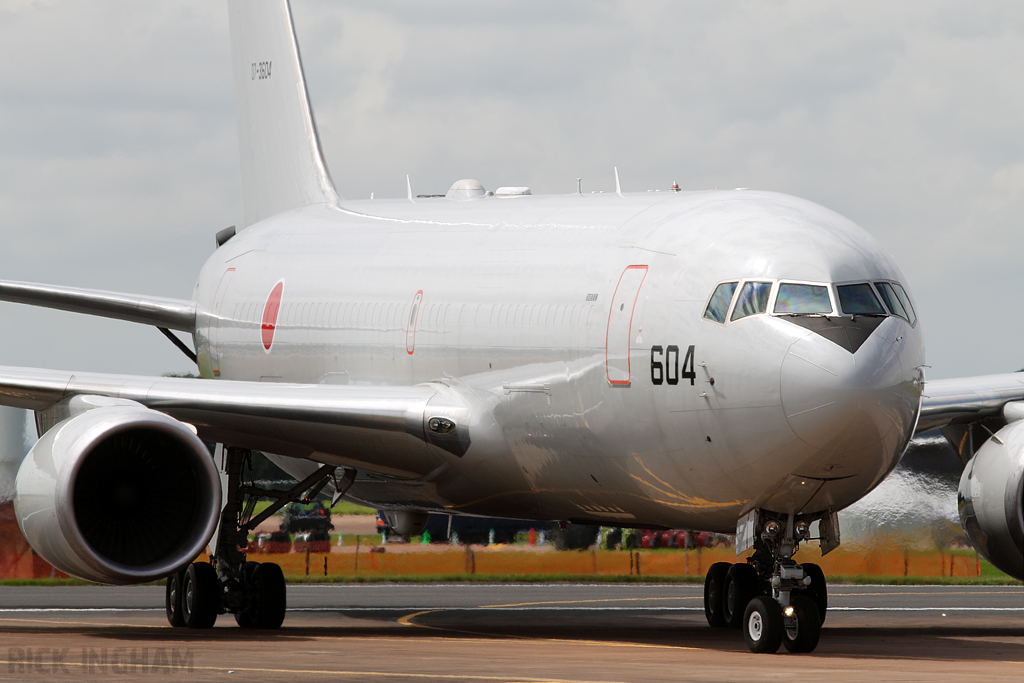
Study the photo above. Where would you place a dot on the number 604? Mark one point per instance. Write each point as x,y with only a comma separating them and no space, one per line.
665,365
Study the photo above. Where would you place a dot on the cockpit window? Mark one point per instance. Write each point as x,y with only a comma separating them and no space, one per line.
905,300
753,299
794,298
892,300
859,300
720,300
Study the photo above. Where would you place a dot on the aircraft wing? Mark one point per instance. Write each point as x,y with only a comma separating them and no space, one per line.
381,429
968,399
174,314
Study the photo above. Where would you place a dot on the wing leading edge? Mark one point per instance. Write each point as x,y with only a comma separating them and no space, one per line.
175,314
968,399
379,429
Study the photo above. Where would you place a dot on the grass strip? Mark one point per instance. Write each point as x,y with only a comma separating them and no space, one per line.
661,579
572,578
45,582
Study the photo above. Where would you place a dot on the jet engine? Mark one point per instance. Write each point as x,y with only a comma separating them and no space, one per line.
991,499
118,493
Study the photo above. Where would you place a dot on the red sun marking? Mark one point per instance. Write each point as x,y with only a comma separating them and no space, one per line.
270,312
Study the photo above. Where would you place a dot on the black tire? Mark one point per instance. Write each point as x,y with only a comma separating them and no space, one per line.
762,625
800,632
172,599
739,589
246,617
270,587
200,595
714,582
818,590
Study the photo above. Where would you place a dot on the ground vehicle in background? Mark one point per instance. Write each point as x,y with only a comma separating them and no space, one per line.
683,539
298,517
314,541
266,542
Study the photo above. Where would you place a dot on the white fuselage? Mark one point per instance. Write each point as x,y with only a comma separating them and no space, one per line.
569,319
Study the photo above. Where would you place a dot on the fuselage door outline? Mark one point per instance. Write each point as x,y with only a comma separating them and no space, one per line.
410,326
618,335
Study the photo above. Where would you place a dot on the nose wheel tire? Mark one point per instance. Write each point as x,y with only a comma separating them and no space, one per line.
762,625
801,631
200,595
714,582
739,589
172,599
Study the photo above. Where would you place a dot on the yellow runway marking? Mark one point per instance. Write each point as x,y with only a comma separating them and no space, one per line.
62,622
335,672
407,620
577,602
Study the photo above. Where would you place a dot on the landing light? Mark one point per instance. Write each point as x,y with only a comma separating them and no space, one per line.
788,611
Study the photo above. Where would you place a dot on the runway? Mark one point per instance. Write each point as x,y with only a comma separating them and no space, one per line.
473,632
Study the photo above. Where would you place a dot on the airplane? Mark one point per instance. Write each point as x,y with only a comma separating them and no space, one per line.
733,361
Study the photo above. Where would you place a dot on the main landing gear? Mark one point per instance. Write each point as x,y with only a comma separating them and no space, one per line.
771,598
254,592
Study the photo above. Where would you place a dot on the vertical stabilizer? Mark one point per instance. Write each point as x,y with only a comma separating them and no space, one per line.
282,165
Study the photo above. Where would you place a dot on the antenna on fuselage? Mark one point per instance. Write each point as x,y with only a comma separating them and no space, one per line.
618,188
579,186
408,187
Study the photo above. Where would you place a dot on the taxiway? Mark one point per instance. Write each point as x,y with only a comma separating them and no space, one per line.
475,632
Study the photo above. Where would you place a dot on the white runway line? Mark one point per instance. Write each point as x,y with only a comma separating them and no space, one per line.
5,610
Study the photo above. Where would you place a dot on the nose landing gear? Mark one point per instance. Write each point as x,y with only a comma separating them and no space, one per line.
771,598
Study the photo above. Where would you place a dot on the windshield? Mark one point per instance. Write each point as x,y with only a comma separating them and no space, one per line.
859,299
753,299
794,298
892,302
905,300
720,300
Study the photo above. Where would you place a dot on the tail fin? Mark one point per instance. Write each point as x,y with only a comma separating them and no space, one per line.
282,165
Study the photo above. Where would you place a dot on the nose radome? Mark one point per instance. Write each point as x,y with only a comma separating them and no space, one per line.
848,404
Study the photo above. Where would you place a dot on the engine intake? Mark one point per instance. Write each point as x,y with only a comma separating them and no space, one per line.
118,494
991,499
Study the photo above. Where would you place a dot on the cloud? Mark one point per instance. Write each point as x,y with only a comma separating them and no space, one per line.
119,157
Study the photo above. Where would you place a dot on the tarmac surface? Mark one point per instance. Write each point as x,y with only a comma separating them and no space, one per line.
484,633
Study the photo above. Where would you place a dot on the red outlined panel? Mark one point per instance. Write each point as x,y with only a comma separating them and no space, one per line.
620,324
271,311
410,325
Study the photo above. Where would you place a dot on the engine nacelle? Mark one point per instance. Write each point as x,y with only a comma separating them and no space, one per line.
118,493
991,499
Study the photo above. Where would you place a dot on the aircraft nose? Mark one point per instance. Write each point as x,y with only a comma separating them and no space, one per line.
856,409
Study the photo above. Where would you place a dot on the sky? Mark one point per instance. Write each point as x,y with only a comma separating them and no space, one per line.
119,153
